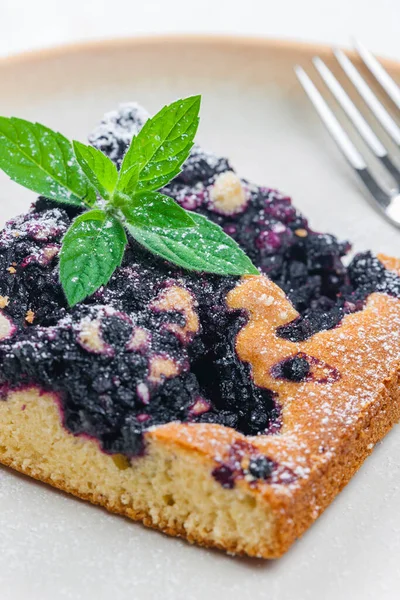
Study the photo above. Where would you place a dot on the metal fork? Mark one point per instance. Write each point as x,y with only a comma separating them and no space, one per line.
387,201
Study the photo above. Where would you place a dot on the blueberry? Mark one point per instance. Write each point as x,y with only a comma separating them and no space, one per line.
225,476
102,384
261,467
296,368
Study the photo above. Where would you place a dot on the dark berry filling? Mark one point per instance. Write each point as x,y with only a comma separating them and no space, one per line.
124,360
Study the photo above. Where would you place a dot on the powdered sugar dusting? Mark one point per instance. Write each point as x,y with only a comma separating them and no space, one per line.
316,416
35,227
364,350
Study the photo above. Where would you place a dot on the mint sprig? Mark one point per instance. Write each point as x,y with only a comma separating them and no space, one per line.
71,172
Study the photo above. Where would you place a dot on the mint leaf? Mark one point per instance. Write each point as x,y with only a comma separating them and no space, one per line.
98,168
46,162
127,183
161,147
152,209
202,248
92,249
43,161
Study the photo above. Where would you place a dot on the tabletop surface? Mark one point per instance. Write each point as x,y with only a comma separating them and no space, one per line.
26,25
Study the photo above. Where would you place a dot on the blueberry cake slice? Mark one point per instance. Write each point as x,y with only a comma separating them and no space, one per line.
229,411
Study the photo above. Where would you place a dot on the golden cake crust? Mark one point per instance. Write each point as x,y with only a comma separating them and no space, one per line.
330,424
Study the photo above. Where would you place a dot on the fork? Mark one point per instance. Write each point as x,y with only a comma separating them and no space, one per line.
387,201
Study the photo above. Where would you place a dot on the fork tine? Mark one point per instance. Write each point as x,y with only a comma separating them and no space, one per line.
350,109
356,117
329,119
342,139
390,86
369,97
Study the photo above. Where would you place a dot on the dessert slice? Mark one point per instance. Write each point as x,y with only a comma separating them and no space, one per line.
226,410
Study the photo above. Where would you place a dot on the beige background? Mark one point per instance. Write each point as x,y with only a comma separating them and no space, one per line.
26,24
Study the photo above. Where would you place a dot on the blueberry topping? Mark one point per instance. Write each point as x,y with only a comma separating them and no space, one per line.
116,330
122,361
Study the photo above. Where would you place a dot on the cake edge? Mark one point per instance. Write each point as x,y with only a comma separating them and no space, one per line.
39,455
260,522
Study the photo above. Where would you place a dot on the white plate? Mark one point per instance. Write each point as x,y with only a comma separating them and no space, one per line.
53,546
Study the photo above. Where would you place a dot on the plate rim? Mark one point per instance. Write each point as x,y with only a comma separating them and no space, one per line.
225,40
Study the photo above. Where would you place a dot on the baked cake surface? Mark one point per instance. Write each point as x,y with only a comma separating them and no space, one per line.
227,411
